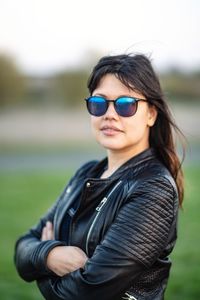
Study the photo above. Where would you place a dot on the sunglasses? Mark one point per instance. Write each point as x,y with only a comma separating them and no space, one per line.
125,106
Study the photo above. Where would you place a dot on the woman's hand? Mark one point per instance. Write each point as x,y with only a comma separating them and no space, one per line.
62,259
47,232
65,259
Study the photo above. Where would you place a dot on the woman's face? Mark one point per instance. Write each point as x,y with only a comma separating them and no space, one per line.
117,133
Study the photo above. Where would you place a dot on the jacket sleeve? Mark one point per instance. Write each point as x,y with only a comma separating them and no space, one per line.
133,242
30,252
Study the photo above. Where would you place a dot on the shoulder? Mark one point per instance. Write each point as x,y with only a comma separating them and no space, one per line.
152,177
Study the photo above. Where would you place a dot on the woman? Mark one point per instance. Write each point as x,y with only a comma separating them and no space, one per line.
110,233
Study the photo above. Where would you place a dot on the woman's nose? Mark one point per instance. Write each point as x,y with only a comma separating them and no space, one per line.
111,112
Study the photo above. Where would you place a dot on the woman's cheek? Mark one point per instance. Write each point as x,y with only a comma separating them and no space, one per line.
95,126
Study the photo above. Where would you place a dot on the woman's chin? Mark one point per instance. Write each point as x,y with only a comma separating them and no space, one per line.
111,146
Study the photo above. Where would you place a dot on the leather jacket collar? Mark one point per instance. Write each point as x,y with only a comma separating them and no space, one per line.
131,163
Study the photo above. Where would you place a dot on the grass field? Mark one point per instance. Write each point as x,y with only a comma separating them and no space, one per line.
24,197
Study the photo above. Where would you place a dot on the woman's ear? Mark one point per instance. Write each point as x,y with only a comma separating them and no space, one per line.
152,115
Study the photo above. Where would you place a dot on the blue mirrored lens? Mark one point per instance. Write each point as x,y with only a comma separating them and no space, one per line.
126,106
97,106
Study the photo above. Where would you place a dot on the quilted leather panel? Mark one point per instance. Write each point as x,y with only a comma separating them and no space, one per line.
153,203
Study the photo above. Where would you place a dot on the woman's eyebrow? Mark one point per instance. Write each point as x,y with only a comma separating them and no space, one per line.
106,97
99,94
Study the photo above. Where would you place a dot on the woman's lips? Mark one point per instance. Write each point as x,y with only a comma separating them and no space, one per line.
110,130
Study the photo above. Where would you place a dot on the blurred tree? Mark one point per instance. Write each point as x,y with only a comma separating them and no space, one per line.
39,90
180,85
12,82
71,86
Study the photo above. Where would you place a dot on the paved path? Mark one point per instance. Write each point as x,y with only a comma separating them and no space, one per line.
51,126
57,127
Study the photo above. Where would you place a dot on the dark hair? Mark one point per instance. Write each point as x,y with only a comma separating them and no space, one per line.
137,73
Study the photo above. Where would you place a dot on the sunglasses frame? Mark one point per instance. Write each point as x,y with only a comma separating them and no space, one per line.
107,101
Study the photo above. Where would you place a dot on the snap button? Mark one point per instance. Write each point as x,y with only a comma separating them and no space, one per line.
88,184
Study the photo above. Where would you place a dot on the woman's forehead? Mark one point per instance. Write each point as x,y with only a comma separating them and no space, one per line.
111,84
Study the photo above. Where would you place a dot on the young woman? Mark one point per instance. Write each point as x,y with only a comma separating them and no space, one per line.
111,231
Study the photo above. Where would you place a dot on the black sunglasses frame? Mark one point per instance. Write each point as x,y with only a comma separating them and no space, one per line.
135,100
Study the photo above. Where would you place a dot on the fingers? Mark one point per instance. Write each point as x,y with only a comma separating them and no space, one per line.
44,234
77,258
66,259
80,254
47,232
49,227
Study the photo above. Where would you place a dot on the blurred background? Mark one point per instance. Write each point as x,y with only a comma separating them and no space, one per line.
47,50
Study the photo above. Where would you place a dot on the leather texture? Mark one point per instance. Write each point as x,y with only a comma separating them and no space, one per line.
125,223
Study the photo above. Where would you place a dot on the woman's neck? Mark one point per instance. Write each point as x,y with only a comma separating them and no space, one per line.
117,158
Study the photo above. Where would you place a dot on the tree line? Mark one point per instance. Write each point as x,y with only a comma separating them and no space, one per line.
68,88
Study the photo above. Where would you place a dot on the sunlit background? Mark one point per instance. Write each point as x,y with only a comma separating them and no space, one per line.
47,50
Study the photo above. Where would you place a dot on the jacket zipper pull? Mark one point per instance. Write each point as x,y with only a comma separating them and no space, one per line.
98,208
129,297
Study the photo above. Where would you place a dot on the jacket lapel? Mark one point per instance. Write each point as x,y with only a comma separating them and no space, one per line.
70,195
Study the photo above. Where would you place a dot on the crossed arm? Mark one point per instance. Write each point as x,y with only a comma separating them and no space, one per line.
62,259
132,244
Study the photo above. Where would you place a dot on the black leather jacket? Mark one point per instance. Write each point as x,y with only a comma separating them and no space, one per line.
125,223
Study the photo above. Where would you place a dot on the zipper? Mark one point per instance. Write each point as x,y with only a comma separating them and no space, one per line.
101,204
98,209
128,297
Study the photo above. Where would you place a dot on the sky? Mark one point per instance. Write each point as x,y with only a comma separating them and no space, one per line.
47,35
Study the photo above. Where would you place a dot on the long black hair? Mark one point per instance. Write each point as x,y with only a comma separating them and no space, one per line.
136,72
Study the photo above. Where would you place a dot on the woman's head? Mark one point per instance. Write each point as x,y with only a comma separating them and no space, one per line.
121,117
136,73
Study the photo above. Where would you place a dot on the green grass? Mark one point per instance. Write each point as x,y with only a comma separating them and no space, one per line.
185,275
24,197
